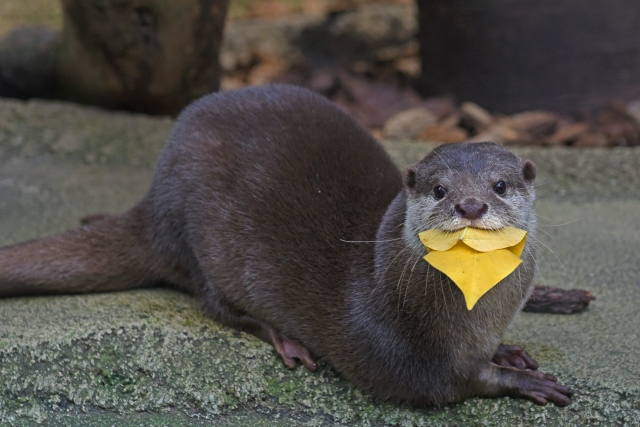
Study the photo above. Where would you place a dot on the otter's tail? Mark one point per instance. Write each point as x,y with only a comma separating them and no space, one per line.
109,254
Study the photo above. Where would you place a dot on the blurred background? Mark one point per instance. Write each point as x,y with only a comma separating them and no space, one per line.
544,73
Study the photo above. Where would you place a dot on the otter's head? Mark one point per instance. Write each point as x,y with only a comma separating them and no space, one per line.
481,185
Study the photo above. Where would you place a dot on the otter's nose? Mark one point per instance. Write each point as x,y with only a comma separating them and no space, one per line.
472,209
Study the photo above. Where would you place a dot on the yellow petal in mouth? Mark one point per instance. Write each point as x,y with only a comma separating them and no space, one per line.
475,260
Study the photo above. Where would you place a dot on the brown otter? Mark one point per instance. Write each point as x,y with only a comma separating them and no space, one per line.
287,220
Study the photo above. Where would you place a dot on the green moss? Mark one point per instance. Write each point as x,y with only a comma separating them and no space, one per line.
139,354
543,353
85,134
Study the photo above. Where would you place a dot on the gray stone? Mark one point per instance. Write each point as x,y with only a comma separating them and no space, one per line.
28,63
152,56
151,358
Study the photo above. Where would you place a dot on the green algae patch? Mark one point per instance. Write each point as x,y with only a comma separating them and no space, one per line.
154,352
87,135
543,353
102,419
147,365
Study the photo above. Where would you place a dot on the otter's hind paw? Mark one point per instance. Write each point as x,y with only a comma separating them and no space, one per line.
558,301
289,350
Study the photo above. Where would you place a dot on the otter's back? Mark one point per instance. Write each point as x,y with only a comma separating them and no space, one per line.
268,183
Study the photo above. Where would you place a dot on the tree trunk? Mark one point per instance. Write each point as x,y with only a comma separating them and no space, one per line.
152,56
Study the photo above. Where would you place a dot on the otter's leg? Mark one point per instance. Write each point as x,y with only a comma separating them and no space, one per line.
492,380
222,311
513,356
287,349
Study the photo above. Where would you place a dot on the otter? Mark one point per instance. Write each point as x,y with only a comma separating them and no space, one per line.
287,220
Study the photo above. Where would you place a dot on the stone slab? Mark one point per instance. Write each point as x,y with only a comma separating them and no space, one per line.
150,357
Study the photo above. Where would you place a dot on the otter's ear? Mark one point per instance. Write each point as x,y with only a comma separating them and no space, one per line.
409,178
529,171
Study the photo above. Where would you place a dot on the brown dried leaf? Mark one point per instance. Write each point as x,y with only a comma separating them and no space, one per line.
536,123
498,133
475,116
443,133
567,133
408,124
592,139
442,107
266,71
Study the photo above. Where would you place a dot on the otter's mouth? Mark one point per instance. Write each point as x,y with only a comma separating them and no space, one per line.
475,259
474,225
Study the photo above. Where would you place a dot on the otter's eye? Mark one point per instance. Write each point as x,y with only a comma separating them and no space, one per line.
500,188
439,192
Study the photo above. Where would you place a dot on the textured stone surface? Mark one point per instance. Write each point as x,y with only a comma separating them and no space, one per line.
150,357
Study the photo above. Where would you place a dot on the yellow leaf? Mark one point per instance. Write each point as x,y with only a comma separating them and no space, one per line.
438,240
480,240
475,260
491,240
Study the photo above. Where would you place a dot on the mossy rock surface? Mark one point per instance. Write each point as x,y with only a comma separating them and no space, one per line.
151,358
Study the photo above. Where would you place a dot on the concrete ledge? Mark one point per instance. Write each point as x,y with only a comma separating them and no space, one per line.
151,358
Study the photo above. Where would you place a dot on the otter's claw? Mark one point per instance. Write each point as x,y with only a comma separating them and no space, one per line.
513,356
542,388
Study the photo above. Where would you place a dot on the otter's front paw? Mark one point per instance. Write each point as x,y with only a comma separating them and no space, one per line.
541,389
491,380
513,356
